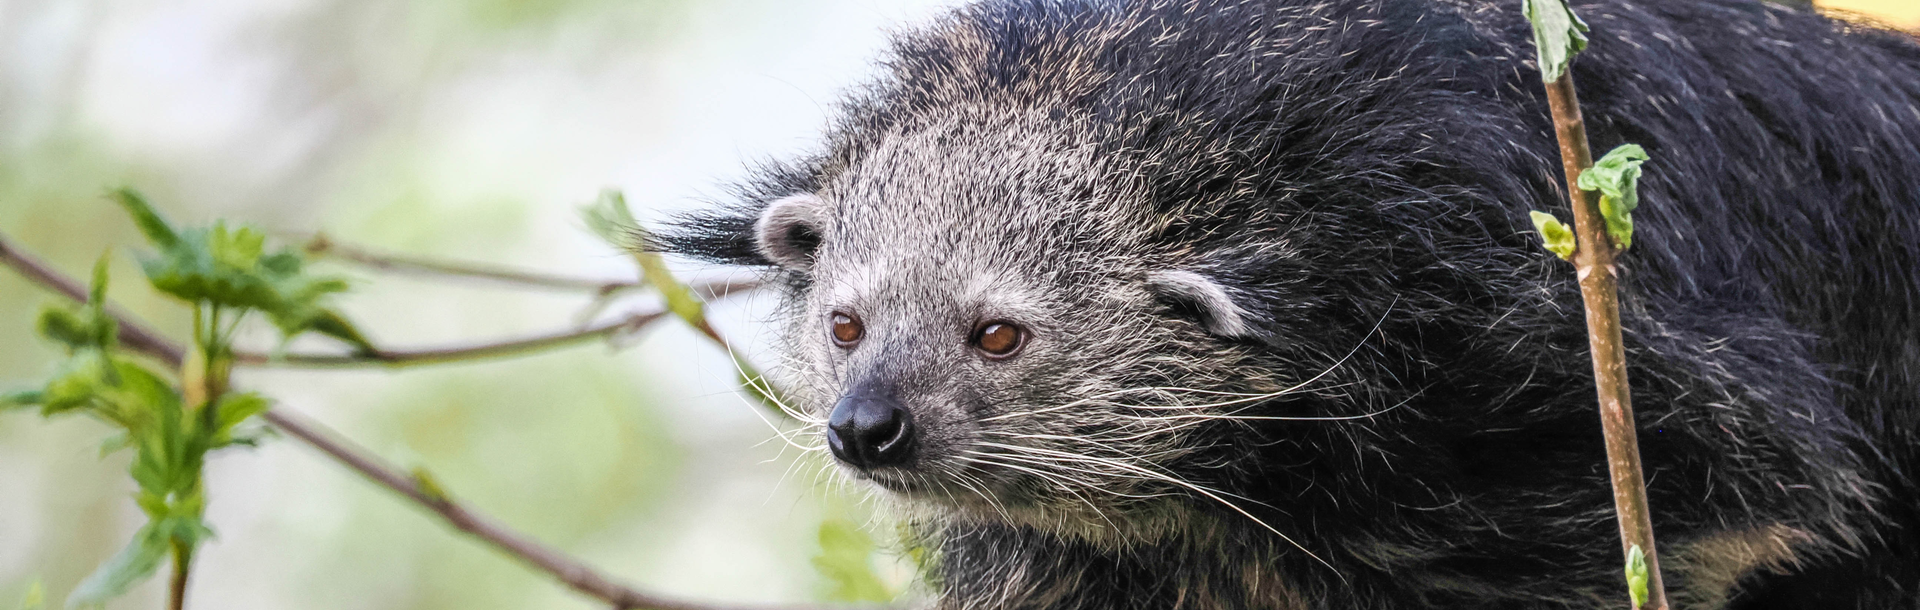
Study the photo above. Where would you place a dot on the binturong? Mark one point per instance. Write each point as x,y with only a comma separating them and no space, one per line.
1211,304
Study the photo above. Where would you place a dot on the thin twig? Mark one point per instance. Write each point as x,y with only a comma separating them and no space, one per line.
182,562
1593,261
136,337
321,245
481,351
133,334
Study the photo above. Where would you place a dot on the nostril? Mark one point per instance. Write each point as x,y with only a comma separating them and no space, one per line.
869,431
895,436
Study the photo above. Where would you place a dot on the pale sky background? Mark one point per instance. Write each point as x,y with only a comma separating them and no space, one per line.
459,128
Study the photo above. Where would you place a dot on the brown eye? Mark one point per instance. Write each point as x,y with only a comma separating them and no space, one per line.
847,329
999,339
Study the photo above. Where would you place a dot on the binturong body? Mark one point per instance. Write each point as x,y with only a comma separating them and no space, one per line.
1207,304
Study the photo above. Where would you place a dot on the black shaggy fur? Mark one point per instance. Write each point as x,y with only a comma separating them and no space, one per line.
1771,300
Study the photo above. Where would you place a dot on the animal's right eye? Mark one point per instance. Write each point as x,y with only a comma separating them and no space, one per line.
846,329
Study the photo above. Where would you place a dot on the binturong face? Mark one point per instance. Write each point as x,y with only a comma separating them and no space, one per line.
977,325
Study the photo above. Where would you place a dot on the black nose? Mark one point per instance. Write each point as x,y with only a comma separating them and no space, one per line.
870,431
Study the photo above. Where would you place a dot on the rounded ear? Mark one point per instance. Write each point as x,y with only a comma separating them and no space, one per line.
1204,298
789,231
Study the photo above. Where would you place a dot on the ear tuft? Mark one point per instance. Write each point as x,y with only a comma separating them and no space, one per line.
790,229
1205,298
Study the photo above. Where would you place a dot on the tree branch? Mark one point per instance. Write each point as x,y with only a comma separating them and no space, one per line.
580,577
409,358
321,245
1593,261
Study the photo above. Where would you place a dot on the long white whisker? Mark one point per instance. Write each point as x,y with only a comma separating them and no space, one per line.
1060,481
1202,490
1244,397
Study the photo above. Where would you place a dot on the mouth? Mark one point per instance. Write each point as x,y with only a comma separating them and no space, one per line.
932,487
892,482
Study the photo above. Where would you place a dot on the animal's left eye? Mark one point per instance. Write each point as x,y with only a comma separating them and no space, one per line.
999,339
846,329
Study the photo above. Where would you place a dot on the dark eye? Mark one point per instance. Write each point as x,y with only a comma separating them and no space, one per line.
999,339
847,329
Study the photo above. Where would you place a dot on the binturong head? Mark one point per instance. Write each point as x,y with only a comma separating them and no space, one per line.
981,318
1044,288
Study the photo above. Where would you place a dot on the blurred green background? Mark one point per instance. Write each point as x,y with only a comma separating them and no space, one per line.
467,129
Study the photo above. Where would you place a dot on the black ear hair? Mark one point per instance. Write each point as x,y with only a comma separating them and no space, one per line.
722,235
727,231
1211,302
788,232
783,233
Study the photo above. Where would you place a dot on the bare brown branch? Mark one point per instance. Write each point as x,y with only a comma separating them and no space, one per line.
1593,261
321,245
481,351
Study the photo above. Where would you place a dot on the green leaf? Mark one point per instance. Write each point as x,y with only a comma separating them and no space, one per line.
86,326
114,443
35,598
188,529
76,384
77,329
231,267
231,410
133,564
331,323
1558,34
429,485
151,224
612,221
1617,177
609,218
846,562
64,326
1558,238
21,399
97,290
238,249
1637,575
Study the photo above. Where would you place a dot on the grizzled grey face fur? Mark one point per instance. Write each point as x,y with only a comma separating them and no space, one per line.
962,222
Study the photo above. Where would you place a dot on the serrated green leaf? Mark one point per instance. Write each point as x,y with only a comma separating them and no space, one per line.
1558,34
151,224
1557,237
238,249
1617,177
230,267
133,564
846,562
1637,578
